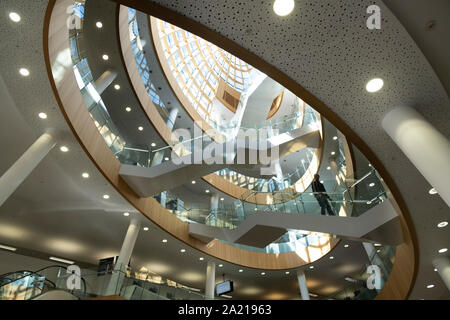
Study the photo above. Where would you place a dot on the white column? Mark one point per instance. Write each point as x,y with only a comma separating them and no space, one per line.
214,205
210,285
173,113
302,283
118,275
443,268
20,170
105,80
424,145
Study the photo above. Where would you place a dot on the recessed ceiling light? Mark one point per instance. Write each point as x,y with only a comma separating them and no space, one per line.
221,199
220,265
43,115
126,214
311,267
331,258
24,72
442,224
287,272
263,273
105,57
64,149
116,86
442,250
328,168
378,251
371,184
435,270
256,209
164,240
7,248
145,228
335,138
346,245
374,85
140,128
283,7
14,16
240,270
432,191
333,153
183,250
106,196
166,158
370,165
377,244
61,260
127,109
321,181
201,259
98,24
193,182
430,286
153,144
85,175
207,191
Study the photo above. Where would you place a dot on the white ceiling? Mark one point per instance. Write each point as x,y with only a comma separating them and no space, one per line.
65,213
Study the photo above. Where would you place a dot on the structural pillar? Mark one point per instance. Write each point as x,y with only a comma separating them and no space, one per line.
302,283
424,145
443,268
214,205
210,285
20,170
120,267
105,80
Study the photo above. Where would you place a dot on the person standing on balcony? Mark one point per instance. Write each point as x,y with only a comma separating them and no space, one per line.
321,195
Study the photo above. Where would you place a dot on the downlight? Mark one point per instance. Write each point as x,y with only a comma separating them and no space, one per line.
14,17
283,7
374,85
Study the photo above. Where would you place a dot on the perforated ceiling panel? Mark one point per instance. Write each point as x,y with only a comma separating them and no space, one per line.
326,47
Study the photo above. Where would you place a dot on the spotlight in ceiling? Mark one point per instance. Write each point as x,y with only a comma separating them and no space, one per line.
328,168
64,149
220,265
443,250
166,158
331,258
335,138
283,7
14,16
346,246
207,191
183,250
140,128
127,109
311,267
240,270
193,182
333,153
98,24
145,228
371,184
85,175
164,240
201,258
105,57
432,191
106,196
221,199
153,144
377,244
442,224
321,181
126,214
43,115
374,85
116,86
287,272
430,286
263,273
24,72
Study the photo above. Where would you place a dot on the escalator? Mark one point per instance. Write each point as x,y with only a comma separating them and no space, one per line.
30,285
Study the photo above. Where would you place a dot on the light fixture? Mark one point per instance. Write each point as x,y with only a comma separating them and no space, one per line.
435,270
256,209
64,149
164,240
442,250
263,273
145,228
43,115
7,248
240,270
201,259
14,16
311,267
346,245
61,260
207,191
331,258
377,244
442,224
24,72
374,85
220,265
153,144
116,86
221,199
140,128
378,251
287,272
106,196
369,202
333,153
328,168
335,138
126,214
432,191
283,7
127,109
371,184
166,158
183,250
105,57
430,286
85,175
193,182
98,24
321,181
